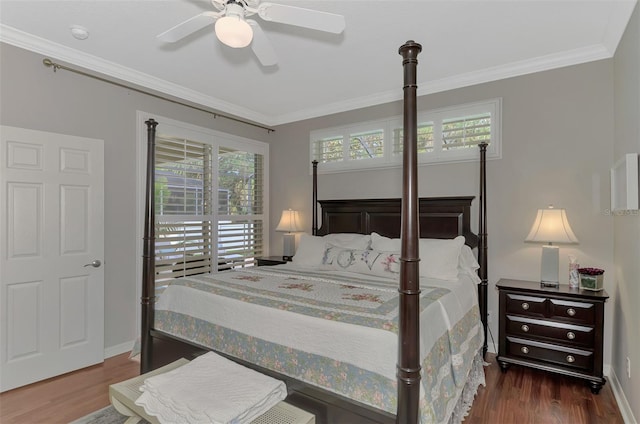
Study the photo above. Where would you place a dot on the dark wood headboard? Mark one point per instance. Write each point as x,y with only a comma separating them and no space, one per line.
439,217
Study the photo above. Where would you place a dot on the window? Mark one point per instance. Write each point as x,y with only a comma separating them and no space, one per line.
210,197
444,135
241,217
183,208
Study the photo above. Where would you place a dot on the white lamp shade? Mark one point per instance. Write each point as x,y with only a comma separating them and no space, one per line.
289,222
551,226
234,31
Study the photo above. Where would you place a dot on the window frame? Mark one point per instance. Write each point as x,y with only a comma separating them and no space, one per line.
391,160
216,139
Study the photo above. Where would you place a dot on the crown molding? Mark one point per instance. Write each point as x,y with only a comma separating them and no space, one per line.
557,60
75,57
539,64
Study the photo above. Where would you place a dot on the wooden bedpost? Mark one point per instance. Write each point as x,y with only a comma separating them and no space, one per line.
482,244
408,368
148,254
314,206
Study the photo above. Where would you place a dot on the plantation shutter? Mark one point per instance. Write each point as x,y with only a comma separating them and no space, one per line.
184,226
424,139
466,132
240,208
366,145
329,149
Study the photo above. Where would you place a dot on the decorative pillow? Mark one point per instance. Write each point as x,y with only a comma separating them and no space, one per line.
372,262
311,248
438,257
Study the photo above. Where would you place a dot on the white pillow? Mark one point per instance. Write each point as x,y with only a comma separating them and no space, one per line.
372,262
309,252
468,261
349,240
311,248
438,257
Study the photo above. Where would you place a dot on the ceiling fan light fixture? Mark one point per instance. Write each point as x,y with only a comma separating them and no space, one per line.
234,31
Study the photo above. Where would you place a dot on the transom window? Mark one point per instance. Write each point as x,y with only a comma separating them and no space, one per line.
444,135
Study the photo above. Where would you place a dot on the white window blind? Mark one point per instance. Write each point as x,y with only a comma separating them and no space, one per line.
466,131
183,208
366,145
328,149
241,220
444,135
199,233
424,138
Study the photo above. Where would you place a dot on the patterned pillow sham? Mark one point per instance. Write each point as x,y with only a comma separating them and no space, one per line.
371,262
311,248
439,258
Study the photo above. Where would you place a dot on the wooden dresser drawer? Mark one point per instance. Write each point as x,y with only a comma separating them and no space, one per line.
556,332
578,312
531,306
553,354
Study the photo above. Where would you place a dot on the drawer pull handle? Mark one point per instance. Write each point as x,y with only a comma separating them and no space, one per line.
524,349
525,328
571,335
571,359
571,312
525,305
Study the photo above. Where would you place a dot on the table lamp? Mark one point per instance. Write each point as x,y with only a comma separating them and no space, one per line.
289,223
551,226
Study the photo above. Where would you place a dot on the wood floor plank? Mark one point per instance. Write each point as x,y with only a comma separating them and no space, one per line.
518,396
67,397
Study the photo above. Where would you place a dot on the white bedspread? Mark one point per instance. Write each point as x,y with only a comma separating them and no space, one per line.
295,321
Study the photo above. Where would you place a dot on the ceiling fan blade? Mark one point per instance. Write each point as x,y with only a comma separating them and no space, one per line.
306,18
188,27
261,46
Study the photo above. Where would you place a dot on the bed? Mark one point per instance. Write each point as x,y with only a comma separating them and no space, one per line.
351,326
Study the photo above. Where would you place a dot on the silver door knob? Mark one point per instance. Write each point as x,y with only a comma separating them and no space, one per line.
95,264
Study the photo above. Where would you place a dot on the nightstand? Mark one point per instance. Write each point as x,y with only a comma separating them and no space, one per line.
270,260
557,329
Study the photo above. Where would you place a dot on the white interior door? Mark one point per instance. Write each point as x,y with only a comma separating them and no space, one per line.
51,302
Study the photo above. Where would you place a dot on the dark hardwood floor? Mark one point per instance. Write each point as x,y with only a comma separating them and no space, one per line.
523,395
519,396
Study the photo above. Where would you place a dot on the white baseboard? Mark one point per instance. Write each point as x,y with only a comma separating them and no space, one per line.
118,349
623,404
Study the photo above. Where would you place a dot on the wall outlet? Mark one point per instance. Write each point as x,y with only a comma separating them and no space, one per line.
628,367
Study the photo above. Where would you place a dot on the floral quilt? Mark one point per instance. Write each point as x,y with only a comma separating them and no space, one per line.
336,332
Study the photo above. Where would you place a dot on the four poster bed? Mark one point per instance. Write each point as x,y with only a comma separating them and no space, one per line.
349,342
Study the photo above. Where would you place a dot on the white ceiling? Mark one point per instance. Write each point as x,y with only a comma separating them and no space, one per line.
464,43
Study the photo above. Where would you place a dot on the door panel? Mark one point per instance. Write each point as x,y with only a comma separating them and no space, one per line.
51,305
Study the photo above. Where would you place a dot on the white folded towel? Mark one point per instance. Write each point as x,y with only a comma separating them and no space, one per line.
210,389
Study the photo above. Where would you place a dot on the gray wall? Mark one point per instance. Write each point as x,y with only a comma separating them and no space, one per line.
34,97
626,251
557,131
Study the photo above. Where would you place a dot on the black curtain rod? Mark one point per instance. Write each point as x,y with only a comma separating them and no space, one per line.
51,64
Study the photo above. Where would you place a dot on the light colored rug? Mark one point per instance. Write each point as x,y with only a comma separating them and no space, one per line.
107,415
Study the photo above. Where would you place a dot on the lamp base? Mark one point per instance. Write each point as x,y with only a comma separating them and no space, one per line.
550,266
289,248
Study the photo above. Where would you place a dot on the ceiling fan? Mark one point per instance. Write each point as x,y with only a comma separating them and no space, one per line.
233,29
